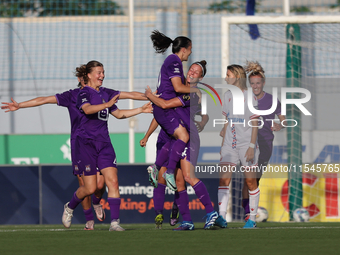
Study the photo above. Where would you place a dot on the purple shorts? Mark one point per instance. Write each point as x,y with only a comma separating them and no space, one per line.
73,157
168,119
91,154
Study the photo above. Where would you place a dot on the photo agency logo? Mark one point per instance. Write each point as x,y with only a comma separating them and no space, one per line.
238,103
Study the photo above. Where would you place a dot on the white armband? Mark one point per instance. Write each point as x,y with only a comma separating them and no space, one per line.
251,145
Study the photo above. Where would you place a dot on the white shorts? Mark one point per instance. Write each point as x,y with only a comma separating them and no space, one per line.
230,156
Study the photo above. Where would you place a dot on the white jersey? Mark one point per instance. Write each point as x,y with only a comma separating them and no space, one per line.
239,131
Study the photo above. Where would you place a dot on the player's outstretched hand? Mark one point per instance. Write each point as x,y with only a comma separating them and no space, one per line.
147,108
148,92
143,142
112,101
10,107
249,154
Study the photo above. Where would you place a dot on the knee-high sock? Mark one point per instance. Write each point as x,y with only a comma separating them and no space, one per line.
114,207
245,205
163,156
88,214
95,200
175,199
75,201
175,155
223,199
254,198
203,195
158,198
183,205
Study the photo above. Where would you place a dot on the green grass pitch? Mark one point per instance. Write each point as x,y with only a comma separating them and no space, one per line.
268,238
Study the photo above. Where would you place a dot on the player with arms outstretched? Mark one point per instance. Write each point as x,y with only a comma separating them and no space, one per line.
93,148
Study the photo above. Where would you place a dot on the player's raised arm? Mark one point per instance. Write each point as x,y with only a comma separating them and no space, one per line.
132,95
123,114
91,109
14,106
164,104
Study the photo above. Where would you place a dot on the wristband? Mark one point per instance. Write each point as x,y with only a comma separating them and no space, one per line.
251,145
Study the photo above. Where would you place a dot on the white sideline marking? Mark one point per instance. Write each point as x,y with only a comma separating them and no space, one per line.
35,230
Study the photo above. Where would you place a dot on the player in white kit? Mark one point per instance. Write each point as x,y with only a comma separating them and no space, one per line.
239,145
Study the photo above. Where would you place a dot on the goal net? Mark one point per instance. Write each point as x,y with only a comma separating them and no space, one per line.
295,51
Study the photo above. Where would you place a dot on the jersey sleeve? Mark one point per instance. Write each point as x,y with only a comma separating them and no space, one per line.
225,106
185,100
64,99
278,108
112,93
113,108
83,98
174,69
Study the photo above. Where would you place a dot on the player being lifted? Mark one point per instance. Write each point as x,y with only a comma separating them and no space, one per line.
239,144
170,82
191,107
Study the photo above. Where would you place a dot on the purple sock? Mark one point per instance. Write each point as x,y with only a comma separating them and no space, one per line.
114,207
88,214
175,199
158,198
245,205
203,195
162,156
75,201
95,200
183,205
175,155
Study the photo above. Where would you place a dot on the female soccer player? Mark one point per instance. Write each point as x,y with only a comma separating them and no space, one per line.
265,138
187,115
93,148
170,82
68,99
239,144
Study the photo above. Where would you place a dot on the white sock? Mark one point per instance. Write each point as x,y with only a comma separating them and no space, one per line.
254,198
223,199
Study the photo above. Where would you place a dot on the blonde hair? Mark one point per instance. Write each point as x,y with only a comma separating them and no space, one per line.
240,74
254,68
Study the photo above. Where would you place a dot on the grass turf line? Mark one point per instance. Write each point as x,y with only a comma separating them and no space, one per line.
268,238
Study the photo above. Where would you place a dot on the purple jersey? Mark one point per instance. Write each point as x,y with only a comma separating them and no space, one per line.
190,108
94,126
69,99
172,67
265,103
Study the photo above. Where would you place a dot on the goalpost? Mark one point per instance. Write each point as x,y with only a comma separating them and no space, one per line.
295,51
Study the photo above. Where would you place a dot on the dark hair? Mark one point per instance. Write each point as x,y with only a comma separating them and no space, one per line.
161,42
202,64
79,73
83,70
